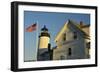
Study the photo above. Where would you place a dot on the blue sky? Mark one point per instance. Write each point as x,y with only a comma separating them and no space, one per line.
53,21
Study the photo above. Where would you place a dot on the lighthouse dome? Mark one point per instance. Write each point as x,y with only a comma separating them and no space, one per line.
44,28
44,32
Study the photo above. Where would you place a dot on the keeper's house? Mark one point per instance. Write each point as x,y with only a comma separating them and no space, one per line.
73,41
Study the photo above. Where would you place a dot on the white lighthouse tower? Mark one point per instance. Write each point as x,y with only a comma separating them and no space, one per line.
44,38
44,45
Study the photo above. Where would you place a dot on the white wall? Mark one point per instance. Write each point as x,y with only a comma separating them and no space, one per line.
5,35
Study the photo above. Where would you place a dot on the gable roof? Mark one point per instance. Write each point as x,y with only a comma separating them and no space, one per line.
64,27
79,27
75,24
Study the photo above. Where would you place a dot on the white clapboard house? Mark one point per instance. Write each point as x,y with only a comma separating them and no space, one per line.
72,41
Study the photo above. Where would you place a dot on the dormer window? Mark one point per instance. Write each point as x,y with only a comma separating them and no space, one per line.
64,37
75,35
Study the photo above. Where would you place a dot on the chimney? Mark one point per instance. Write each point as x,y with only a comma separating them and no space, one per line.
81,23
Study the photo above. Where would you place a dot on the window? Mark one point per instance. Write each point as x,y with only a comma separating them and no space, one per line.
62,57
56,41
69,51
64,37
88,45
75,35
88,48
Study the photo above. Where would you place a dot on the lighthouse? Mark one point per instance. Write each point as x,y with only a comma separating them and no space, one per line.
44,51
44,38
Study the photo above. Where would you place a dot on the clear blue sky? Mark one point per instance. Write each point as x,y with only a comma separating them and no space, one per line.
53,21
